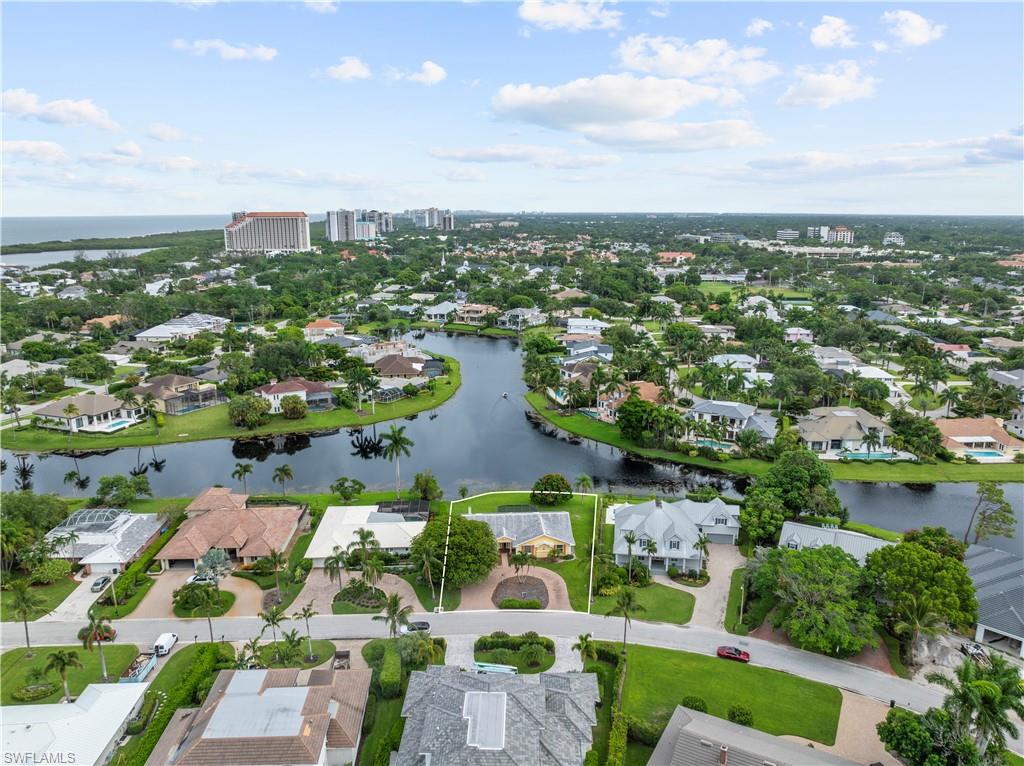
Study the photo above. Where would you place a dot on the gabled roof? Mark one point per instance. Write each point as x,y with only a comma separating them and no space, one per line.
523,527
293,386
954,429
736,410
846,423
998,578
663,521
798,536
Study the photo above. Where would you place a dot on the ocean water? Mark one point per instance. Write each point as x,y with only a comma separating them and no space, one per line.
35,260
15,231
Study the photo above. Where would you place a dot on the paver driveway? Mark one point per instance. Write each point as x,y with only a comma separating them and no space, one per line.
479,596
711,600
320,590
159,601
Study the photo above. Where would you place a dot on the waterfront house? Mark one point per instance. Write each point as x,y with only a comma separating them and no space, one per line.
841,429
393,531
316,395
474,313
520,319
608,402
322,328
92,413
797,536
674,528
178,394
981,438
536,533
581,326
400,366
105,540
441,312
998,578
735,417
588,349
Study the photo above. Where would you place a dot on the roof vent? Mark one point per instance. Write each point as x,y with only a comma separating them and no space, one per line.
723,755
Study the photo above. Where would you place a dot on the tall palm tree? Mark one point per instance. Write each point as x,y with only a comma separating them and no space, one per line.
394,614
94,637
949,397
272,618
916,617
626,605
365,541
650,548
26,605
630,539
61,660
252,649
586,646
872,440
282,474
70,412
336,565
396,445
703,544
583,483
207,599
278,561
241,471
373,570
304,614
426,561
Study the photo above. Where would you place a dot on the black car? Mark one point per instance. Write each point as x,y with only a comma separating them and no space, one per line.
415,625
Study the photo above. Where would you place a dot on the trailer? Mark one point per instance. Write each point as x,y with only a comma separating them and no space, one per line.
140,668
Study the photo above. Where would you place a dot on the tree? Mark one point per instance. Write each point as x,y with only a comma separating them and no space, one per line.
533,654
426,561
916,616
804,483
293,407
62,660
373,570
995,515
551,489
426,487
587,648
397,445
365,541
277,560
472,552
70,411
26,605
119,491
241,471
215,562
762,514
938,540
283,473
394,615
205,600
630,539
520,561
897,571
249,411
305,614
336,565
932,739
626,605
703,544
583,483
347,489
96,632
272,618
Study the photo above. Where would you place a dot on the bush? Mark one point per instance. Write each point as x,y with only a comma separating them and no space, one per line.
293,408
391,672
150,704
503,656
617,740
373,653
642,731
673,572
551,489
31,693
741,714
501,640
694,703
187,596
369,713
361,594
50,571
519,603
392,741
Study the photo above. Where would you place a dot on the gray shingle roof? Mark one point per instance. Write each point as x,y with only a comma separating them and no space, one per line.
998,578
521,527
737,410
663,521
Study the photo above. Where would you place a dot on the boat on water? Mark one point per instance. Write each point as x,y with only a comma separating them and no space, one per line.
504,394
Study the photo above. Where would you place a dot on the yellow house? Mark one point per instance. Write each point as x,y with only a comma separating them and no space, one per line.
539,534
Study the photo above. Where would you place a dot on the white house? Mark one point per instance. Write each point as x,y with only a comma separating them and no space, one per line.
842,429
830,356
186,327
758,304
797,536
394,532
159,287
440,312
736,417
743,362
797,335
517,319
578,325
106,539
94,413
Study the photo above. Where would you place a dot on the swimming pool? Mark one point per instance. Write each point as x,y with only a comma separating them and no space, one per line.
724,446
983,453
867,455
117,425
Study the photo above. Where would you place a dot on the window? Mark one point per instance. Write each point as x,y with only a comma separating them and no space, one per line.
721,521
673,545
793,545
643,542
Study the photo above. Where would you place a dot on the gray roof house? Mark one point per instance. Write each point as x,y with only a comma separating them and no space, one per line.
736,417
108,539
797,536
674,527
699,739
841,429
998,578
440,312
534,532
1013,378
457,718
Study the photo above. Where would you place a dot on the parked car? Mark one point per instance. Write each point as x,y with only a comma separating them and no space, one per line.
100,583
733,653
201,579
974,651
414,626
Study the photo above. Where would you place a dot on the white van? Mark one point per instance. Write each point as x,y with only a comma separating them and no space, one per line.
164,643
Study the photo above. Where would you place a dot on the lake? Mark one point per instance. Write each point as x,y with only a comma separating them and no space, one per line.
480,440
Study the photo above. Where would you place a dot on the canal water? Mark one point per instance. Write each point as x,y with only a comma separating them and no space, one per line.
478,439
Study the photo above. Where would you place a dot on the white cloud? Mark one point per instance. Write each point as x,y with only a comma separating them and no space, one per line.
18,102
128,149
880,46
349,68
178,162
833,84
322,6
571,15
47,152
660,9
1004,147
712,60
758,27
161,131
465,175
539,156
429,74
650,136
833,32
912,29
227,51
241,173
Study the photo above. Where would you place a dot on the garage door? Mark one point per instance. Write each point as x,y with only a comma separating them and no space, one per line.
726,539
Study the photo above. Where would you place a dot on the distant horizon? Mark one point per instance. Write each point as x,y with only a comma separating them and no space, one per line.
511,213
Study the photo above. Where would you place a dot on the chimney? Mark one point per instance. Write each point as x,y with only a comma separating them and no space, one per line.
723,755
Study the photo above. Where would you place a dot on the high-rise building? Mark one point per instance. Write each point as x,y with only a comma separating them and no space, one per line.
385,221
348,225
267,232
365,230
341,225
894,238
787,234
841,234
448,221
433,218
818,232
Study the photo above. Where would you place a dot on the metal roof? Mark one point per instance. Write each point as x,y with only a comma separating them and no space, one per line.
486,714
998,578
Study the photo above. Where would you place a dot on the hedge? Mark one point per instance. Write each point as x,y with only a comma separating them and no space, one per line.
501,640
392,741
138,568
519,603
642,731
617,739
369,712
391,673
694,703
741,714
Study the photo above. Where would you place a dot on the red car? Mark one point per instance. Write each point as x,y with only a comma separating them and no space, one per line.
732,653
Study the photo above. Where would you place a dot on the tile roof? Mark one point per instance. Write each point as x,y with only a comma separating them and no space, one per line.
325,324
987,426
217,499
294,385
846,423
397,364
87,404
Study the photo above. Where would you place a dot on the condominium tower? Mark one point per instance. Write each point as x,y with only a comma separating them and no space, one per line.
267,232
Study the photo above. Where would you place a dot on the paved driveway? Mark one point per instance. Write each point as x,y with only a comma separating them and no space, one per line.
159,602
320,590
76,606
711,600
479,596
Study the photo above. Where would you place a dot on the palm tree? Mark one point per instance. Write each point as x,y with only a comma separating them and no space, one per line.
304,614
583,483
148,405
626,605
61,660
397,445
365,541
703,545
70,412
425,559
282,474
278,561
650,548
520,561
272,618
872,440
207,599
630,539
394,614
335,565
26,605
373,570
241,471
586,646
949,397
917,616
94,636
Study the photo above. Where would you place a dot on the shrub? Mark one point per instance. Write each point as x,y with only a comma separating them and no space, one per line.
533,654
373,653
187,596
694,703
673,572
551,489
642,731
391,672
519,603
503,656
369,713
33,692
358,592
741,714
617,740
500,640
50,571
293,407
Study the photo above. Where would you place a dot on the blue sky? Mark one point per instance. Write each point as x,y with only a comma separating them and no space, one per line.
145,108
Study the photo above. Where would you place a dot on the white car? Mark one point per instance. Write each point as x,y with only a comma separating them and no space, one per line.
201,579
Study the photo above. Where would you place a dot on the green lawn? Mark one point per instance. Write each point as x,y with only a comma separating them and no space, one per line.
1013,759
637,754
718,288
661,604
657,679
428,601
125,607
52,595
855,470
322,648
227,600
575,572
732,608
344,607
14,666
385,714
213,423
517,660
